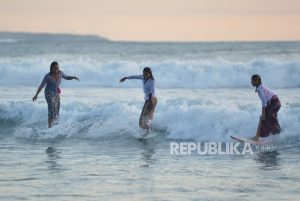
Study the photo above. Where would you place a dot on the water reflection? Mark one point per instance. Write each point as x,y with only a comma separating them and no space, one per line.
148,146
269,160
53,156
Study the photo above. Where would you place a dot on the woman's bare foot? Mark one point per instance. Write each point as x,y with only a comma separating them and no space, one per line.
255,138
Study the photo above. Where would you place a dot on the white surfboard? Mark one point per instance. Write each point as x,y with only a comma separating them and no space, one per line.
254,142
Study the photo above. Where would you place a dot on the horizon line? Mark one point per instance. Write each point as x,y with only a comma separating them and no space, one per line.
149,41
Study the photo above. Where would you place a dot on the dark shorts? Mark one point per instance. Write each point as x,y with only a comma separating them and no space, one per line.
147,113
53,102
270,125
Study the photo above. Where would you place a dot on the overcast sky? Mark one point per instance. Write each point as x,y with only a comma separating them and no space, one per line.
157,20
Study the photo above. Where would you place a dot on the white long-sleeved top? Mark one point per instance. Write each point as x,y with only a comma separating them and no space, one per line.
265,94
148,86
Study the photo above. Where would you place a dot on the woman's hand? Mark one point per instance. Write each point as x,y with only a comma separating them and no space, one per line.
37,93
76,78
34,98
123,79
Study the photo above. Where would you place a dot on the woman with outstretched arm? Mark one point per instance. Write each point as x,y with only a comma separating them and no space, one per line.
52,81
148,81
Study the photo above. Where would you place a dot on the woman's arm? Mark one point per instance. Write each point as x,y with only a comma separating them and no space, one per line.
139,77
263,111
37,93
40,87
263,102
66,77
256,138
262,97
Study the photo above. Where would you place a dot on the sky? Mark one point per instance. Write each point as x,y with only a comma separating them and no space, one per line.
157,20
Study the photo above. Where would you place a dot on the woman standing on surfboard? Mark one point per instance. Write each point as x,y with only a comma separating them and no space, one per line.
268,123
150,97
52,81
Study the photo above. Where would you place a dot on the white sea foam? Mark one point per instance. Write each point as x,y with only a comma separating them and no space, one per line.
8,40
168,73
206,117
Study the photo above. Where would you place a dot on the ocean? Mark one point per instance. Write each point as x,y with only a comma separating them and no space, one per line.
96,151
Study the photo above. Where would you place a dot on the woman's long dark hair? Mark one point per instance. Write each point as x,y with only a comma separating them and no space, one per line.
52,65
148,70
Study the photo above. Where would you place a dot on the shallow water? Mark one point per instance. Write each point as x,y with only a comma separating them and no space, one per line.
94,153
133,169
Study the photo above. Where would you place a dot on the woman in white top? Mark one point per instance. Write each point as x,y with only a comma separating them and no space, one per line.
268,123
148,81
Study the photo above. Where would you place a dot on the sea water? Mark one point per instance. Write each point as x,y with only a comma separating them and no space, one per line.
95,152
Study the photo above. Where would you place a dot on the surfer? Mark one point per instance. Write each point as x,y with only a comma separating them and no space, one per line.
268,122
52,91
150,97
